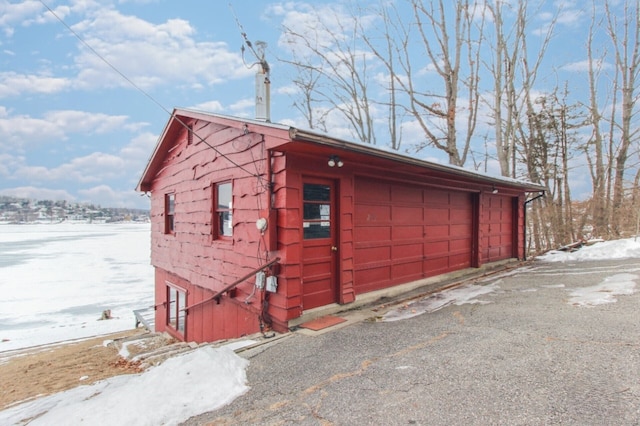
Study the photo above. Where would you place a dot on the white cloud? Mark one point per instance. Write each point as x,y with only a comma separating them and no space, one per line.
323,25
38,193
86,122
139,149
14,84
19,131
95,167
16,13
213,106
150,54
583,66
106,196
242,105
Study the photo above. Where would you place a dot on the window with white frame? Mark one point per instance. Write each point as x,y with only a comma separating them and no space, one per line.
176,314
223,210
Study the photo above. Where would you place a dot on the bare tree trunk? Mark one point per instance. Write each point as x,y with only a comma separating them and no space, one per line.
597,169
393,38
625,37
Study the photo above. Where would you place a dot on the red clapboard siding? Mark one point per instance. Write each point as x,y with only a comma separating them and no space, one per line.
206,265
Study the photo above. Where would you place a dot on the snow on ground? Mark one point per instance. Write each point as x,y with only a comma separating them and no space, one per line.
615,285
616,249
605,292
455,296
179,388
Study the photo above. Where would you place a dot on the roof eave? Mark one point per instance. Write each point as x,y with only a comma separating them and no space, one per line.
302,135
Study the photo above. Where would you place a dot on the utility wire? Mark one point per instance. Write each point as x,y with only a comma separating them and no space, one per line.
138,88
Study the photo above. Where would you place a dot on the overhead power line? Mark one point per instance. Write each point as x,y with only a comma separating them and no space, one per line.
139,89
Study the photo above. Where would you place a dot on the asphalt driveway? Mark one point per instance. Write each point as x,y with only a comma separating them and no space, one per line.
548,343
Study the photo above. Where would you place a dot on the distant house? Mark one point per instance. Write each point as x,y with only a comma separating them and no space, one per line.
255,223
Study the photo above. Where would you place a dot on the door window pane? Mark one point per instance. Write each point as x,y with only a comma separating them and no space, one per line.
316,211
314,192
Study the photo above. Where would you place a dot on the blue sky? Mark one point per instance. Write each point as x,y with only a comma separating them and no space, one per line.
72,128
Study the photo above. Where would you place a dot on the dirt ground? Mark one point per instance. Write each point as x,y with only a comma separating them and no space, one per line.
42,371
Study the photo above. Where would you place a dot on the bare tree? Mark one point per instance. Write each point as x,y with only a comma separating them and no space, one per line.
306,82
335,70
625,38
514,75
395,40
594,148
444,44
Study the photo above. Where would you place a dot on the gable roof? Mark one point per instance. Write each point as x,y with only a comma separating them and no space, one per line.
292,136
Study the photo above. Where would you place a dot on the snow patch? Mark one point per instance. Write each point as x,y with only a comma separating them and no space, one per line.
456,296
605,292
183,386
617,249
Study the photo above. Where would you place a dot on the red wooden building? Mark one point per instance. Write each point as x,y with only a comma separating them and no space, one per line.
321,219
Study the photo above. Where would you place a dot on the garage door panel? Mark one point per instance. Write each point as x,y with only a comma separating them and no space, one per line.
436,266
407,232
435,232
459,261
462,245
367,213
405,214
437,196
407,194
373,278
437,247
403,251
372,190
437,216
429,232
364,253
373,233
460,216
459,198
459,231
408,271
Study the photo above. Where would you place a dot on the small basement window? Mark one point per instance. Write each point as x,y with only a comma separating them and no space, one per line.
223,216
176,315
169,212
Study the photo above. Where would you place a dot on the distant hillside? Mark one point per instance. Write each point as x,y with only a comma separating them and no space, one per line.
20,210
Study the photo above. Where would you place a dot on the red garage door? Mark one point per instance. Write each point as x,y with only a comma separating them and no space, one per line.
404,233
497,229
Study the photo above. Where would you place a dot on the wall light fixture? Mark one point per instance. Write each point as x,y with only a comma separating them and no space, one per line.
334,161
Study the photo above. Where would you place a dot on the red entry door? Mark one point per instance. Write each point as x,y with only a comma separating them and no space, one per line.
319,245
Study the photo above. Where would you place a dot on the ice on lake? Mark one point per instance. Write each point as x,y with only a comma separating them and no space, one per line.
57,279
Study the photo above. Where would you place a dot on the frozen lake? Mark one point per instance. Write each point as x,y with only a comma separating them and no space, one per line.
57,279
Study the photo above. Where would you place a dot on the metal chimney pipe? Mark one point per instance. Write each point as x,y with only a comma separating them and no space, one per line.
263,87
